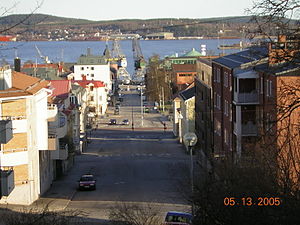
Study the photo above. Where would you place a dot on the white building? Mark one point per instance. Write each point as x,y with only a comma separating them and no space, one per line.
93,67
27,152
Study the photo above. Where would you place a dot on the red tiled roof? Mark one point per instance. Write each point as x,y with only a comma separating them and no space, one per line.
84,83
61,88
23,85
33,65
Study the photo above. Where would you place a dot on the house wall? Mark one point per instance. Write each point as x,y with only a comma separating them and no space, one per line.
101,73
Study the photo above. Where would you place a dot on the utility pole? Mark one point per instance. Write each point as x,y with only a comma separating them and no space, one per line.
142,106
163,98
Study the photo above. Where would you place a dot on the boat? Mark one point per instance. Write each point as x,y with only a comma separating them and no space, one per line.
240,45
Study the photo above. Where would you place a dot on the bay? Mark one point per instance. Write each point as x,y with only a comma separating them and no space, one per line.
68,51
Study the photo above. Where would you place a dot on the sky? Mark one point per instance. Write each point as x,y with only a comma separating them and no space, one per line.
130,9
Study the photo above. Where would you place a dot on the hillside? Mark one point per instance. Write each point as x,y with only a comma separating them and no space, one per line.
40,25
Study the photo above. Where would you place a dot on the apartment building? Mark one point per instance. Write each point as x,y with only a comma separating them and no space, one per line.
236,101
97,96
65,126
25,103
203,106
93,67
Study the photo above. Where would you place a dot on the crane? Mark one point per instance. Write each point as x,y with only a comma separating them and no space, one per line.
139,61
45,58
117,53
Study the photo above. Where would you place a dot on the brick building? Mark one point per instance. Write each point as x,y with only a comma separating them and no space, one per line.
203,106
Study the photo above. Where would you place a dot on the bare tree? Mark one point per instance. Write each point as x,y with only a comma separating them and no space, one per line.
133,214
40,215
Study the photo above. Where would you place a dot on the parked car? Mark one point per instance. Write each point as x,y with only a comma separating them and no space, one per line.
87,181
112,122
125,122
178,218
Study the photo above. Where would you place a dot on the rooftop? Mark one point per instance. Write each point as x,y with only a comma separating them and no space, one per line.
237,59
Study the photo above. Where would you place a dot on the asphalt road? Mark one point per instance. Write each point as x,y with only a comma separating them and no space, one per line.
146,165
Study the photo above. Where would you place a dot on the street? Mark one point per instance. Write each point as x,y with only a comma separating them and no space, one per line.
139,165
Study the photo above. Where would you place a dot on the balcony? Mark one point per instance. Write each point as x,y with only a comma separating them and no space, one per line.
52,142
62,127
52,112
13,157
246,98
249,129
7,183
6,133
61,153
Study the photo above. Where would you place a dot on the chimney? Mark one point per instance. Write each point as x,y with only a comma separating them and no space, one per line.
17,64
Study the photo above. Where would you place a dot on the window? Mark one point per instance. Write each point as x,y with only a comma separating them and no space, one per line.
215,74
92,98
215,99
225,108
203,75
218,75
202,96
92,68
270,88
225,79
261,85
82,68
92,75
226,137
218,101
217,127
185,74
91,88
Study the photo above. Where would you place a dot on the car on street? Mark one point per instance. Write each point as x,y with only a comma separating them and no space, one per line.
87,182
178,218
112,122
125,122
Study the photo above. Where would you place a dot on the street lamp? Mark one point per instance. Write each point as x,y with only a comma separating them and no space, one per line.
190,140
142,115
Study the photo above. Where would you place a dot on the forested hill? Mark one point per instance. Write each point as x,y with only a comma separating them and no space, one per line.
179,26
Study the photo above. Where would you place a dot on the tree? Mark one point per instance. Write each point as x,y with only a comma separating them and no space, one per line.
132,214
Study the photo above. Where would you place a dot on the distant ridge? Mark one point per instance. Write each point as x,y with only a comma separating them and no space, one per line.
44,19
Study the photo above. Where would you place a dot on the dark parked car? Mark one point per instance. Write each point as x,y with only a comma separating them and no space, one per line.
125,122
112,122
87,181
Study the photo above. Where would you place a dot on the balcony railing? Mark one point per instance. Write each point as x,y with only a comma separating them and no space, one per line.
52,142
52,112
6,131
62,129
249,97
249,129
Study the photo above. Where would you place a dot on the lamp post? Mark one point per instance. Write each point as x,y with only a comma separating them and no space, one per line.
190,140
142,115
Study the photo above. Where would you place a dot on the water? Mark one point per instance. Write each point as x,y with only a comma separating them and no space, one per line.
69,51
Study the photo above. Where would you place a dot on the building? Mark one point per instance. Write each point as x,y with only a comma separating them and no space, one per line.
48,71
235,99
203,106
182,76
97,96
25,103
93,67
184,112
160,36
65,126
